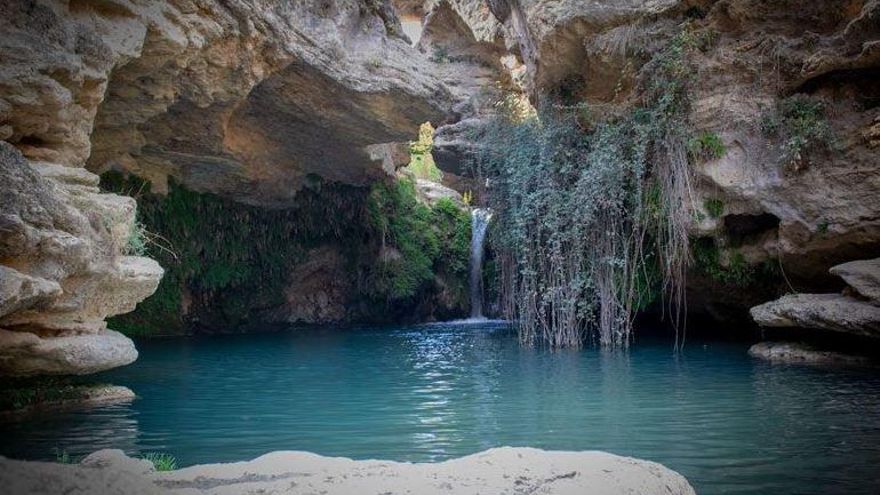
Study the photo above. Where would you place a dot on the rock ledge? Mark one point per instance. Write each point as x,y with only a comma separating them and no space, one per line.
500,470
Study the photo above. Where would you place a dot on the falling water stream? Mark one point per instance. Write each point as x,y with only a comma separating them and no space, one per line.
480,218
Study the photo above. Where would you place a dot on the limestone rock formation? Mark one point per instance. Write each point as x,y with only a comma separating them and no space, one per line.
431,192
500,470
834,312
71,397
800,204
795,353
64,269
244,99
863,276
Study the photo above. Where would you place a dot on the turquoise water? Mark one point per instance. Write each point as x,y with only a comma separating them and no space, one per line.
729,423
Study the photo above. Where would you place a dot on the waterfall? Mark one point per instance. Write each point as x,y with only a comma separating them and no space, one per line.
479,223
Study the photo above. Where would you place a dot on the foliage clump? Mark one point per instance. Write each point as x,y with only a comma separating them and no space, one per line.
417,243
161,461
801,125
706,146
714,206
736,270
591,222
421,162
222,258
226,262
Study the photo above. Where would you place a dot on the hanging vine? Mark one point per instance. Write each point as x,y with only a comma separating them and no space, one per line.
592,216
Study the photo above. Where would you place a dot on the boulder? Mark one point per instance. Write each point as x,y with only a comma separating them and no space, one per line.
863,276
64,269
500,470
431,192
27,354
834,312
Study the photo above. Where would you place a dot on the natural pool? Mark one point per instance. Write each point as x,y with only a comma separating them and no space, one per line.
729,423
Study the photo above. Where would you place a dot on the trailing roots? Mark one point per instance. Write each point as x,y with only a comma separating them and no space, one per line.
591,225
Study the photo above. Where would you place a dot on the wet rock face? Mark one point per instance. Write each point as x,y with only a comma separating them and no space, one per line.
244,100
63,269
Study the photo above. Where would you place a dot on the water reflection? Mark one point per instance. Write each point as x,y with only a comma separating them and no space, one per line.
730,424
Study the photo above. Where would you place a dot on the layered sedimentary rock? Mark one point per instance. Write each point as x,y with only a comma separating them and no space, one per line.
788,89
243,99
501,470
64,268
863,276
854,312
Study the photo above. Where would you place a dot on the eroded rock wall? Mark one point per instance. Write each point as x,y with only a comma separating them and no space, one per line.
243,99
250,100
787,90
64,268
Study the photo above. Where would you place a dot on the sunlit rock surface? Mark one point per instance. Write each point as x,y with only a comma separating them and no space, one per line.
244,99
501,470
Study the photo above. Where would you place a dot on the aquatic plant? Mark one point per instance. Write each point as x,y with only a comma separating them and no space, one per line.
592,221
62,457
161,461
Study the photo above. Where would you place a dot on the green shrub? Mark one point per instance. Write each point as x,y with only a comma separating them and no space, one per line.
227,258
706,146
421,162
714,207
800,124
440,55
161,461
405,226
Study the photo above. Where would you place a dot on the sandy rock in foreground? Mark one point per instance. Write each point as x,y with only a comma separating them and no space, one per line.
495,471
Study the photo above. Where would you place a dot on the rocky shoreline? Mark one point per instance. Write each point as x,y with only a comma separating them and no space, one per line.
500,470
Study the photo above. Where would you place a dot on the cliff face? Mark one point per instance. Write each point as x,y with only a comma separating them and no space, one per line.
63,249
254,102
244,99
784,116
249,100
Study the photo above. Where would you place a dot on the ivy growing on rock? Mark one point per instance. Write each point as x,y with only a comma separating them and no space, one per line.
223,260
799,122
592,219
418,243
226,263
